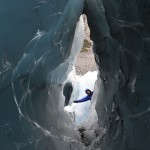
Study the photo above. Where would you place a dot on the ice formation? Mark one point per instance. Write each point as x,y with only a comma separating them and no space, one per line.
36,56
36,39
79,112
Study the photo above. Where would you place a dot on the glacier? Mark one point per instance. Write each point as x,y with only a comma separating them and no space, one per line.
39,41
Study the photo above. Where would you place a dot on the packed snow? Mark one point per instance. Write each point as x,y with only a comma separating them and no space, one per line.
79,111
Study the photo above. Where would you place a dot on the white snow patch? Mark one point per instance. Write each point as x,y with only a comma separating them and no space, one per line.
80,111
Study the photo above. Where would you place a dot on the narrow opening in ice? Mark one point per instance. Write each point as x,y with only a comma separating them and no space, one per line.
84,78
80,111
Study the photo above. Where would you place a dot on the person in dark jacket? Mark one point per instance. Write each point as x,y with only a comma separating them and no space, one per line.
86,98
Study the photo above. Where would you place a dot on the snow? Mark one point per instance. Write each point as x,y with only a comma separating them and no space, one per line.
80,111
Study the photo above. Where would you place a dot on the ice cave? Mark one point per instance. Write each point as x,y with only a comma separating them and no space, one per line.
39,42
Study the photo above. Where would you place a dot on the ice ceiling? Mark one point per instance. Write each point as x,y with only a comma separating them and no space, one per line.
39,40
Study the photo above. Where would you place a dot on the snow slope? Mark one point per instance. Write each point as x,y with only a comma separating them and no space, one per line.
80,111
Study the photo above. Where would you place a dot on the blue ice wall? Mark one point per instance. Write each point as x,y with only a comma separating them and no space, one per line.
35,38
120,31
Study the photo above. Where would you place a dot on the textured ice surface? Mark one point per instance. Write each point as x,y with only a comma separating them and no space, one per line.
59,75
120,32
36,38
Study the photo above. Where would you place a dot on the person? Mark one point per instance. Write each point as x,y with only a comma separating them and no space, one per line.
86,98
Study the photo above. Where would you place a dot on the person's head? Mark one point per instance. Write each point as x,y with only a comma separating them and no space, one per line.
88,92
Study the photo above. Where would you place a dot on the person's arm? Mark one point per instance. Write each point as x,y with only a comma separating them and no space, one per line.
86,98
